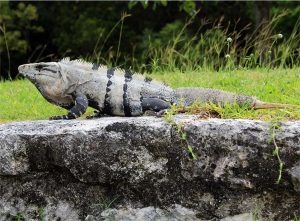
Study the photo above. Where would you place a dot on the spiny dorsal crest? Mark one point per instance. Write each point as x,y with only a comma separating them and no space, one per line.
82,64
103,69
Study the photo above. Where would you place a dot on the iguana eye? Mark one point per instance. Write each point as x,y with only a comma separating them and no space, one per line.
39,67
48,69
42,67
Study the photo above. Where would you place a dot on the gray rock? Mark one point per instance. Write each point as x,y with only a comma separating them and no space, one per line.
240,217
93,151
174,213
295,175
71,169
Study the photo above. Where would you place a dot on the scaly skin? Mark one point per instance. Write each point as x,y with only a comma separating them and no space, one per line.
75,85
207,95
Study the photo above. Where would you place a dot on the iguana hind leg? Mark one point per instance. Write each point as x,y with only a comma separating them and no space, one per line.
81,104
155,104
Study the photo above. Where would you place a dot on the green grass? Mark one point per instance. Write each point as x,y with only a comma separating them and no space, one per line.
20,100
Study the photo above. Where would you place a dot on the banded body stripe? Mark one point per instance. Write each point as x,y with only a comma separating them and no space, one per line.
122,97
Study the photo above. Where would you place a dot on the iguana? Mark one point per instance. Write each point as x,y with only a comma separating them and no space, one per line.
76,84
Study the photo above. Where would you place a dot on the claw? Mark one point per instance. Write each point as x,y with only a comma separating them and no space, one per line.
56,118
97,114
161,113
63,117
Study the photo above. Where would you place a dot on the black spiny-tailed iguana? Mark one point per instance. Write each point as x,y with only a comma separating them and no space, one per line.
77,84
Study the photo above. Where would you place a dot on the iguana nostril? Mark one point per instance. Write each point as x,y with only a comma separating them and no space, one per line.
21,67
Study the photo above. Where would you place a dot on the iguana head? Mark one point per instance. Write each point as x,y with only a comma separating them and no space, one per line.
48,79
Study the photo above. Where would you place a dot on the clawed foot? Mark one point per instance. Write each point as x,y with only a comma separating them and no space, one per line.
63,117
161,113
97,114
149,113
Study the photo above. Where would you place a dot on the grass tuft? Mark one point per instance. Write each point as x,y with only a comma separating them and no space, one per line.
219,49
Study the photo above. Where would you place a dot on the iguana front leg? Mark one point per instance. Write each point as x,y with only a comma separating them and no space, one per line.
81,104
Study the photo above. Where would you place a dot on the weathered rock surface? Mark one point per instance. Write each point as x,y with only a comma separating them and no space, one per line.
70,170
174,213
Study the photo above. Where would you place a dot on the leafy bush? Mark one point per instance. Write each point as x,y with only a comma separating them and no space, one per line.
15,27
149,36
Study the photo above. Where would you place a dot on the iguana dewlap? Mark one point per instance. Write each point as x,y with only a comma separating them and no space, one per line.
75,85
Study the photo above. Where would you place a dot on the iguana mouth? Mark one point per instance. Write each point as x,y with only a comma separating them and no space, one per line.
25,70
21,69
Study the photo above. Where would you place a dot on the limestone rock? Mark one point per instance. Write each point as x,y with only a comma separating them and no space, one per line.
240,217
60,169
174,213
295,175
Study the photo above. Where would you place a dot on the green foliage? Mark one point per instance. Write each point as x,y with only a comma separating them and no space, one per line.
296,217
16,25
17,217
164,38
105,203
187,6
232,111
257,213
20,217
78,33
15,28
41,214
169,117
275,126
217,48
144,3
150,36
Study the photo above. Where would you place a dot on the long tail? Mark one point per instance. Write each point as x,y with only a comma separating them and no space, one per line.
207,95
257,104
